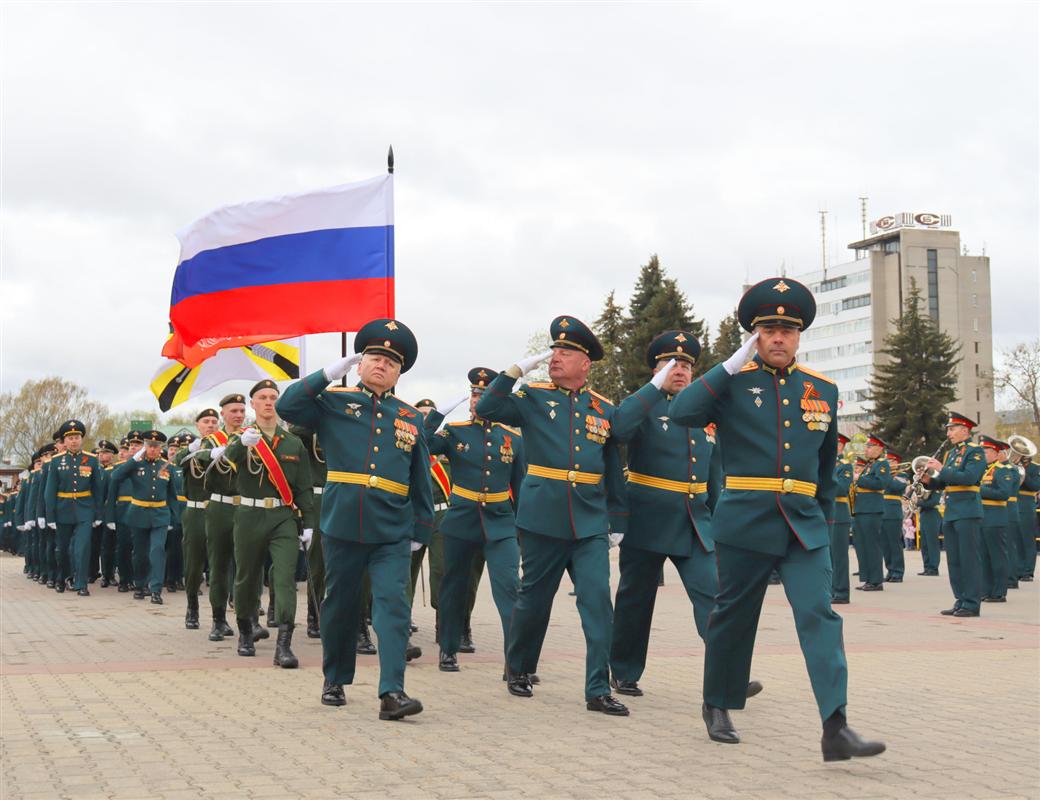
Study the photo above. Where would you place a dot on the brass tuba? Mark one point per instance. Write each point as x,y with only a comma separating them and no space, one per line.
1021,452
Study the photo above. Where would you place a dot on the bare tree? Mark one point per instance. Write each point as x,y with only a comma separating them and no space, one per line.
1019,376
30,417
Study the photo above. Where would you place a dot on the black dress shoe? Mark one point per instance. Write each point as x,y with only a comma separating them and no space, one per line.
605,704
412,627
949,612
156,599
83,593
963,612
846,744
124,588
412,652
398,705
332,695
994,599
60,588
533,677
105,583
839,601
1012,585
1026,578
138,594
519,685
466,642
448,663
720,728
628,688
894,580
753,688
871,587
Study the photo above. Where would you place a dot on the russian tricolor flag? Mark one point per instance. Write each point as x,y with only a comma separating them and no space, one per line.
273,269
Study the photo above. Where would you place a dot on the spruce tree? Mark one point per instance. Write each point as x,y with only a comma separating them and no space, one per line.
729,338
605,375
912,390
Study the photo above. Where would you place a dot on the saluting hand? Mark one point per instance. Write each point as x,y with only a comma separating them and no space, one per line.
340,368
735,362
659,379
447,407
525,365
139,454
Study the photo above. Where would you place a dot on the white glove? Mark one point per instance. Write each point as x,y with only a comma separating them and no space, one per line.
53,526
21,527
337,370
251,437
416,546
525,365
217,452
662,375
41,523
30,524
615,538
306,536
111,526
735,362
194,445
96,523
446,408
139,454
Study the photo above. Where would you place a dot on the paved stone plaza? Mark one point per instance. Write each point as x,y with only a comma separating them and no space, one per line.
107,697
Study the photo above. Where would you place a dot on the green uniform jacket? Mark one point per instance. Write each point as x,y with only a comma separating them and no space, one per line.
870,488
930,502
963,467
893,497
997,485
567,432
37,504
181,502
366,437
485,457
765,433
843,475
21,506
662,520
219,477
193,475
152,491
253,480
78,474
116,508
1027,495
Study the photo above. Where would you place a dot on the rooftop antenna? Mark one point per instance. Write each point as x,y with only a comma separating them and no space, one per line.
823,242
863,214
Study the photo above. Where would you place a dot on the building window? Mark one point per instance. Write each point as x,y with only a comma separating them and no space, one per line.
976,347
976,370
974,301
977,397
858,301
933,284
975,325
892,246
832,284
974,276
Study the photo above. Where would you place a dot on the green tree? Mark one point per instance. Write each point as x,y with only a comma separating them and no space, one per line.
729,338
605,376
30,417
913,388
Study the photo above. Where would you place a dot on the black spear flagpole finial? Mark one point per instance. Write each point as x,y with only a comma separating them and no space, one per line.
390,160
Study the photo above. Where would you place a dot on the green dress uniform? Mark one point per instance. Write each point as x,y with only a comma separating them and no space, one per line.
840,527
266,521
377,501
995,488
869,494
929,521
892,525
46,536
960,476
779,450
149,515
315,562
673,481
175,536
117,500
1014,537
99,558
1027,522
75,503
564,514
22,517
193,525
487,468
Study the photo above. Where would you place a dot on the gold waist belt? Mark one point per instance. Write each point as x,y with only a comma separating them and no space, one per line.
70,495
564,474
867,491
147,503
1026,494
371,481
844,500
994,502
893,497
480,497
962,489
680,487
782,485
124,499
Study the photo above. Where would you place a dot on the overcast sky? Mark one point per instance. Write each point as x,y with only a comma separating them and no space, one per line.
543,153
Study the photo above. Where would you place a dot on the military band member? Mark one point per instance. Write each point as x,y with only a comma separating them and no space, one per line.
1027,521
959,476
220,511
892,521
377,506
563,518
995,489
102,559
1014,536
869,494
779,449
929,521
193,518
487,464
75,502
841,525
150,513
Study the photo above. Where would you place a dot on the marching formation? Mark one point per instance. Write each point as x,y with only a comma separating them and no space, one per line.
736,477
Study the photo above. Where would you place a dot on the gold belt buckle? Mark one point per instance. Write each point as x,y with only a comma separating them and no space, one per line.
373,480
787,486
268,502
572,476
482,496
236,500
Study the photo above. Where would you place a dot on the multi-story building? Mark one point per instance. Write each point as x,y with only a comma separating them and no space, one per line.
857,301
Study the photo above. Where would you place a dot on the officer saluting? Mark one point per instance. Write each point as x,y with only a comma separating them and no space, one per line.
377,505
563,517
779,450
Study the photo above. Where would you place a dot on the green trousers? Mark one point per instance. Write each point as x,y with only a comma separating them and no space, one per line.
316,568
962,558
345,563
730,643
994,556
72,547
220,546
545,558
1015,555
193,521
503,561
930,522
149,558
1027,533
892,531
839,560
257,532
868,531
637,593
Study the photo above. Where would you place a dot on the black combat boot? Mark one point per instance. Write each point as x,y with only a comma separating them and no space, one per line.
270,607
191,616
364,642
245,637
283,654
259,631
220,627
313,627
